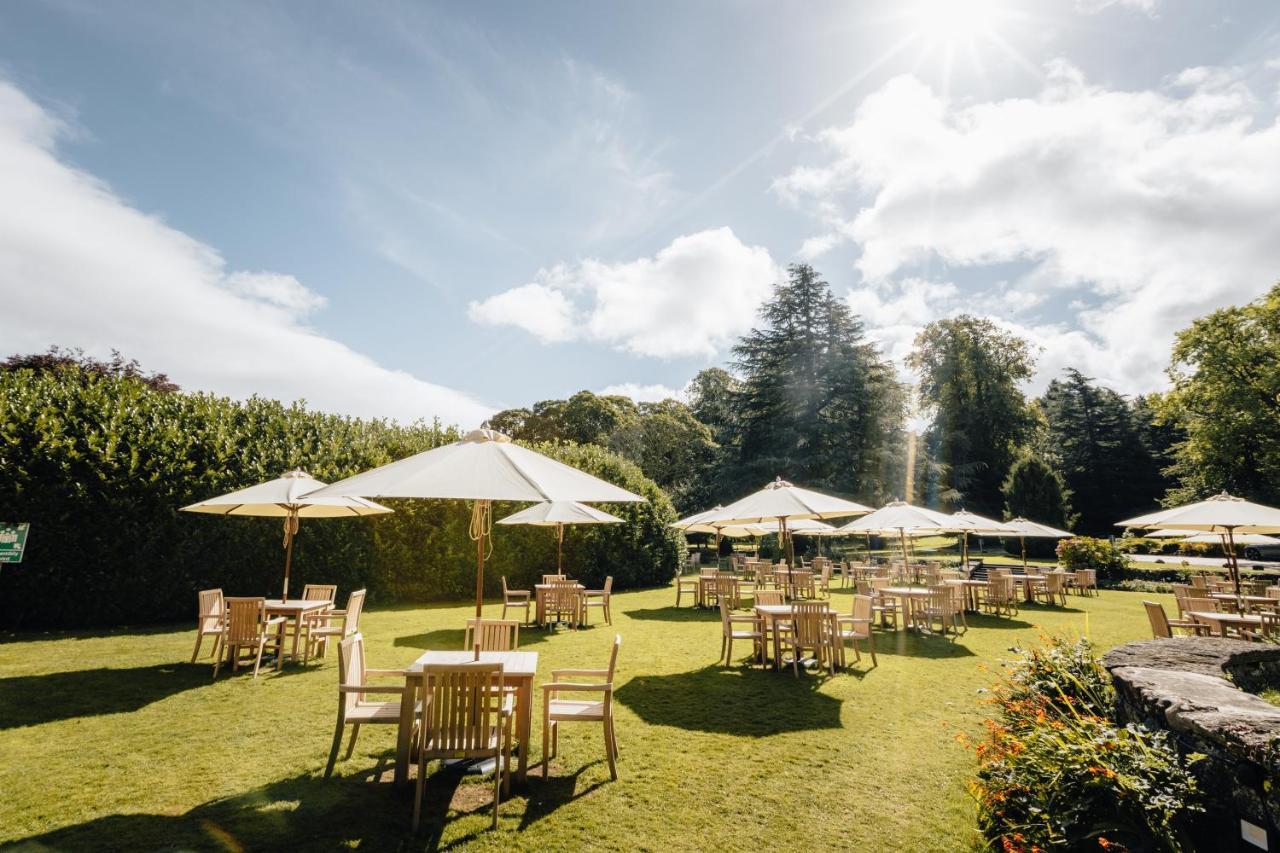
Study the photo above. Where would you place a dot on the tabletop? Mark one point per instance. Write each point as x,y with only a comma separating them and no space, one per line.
964,582
1236,618
549,586
778,609
513,663
299,604
904,590
1253,599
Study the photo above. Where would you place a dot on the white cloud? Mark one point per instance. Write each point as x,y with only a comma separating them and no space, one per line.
81,268
1090,7
643,393
1159,205
692,298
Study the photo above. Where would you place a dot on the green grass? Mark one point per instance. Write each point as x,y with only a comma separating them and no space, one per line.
114,741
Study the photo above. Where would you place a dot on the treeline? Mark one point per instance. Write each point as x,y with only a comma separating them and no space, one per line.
808,397
98,458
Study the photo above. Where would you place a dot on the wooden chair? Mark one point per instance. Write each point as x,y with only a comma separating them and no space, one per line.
1199,582
686,584
553,578
516,599
354,708
1086,581
856,627
246,626
556,710
315,618
598,598
209,621
320,592
811,630
939,609
1053,590
769,596
823,580
350,617
1203,605
561,599
492,635
1163,626
466,713
1002,595
729,632
887,610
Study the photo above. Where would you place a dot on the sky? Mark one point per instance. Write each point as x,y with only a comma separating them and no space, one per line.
411,210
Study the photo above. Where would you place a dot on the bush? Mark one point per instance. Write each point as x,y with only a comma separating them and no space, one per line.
1085,552
1056,772
99,464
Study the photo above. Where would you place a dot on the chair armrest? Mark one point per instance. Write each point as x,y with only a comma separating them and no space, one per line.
744,619
275,620
334,612
388,673
366,688
556,687
846,620
580,673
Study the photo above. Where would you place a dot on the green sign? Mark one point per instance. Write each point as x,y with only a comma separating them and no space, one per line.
13,538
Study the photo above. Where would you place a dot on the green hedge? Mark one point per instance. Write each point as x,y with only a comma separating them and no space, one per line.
100,465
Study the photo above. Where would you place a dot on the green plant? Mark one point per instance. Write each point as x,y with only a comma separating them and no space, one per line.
1056,772
1086,552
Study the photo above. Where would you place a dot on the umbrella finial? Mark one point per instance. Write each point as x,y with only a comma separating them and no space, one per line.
297,474
778,483
479,436
1225,496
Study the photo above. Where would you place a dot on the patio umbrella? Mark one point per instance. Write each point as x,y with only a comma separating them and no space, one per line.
1223,514
811,527
967,522
485,466
695,524
1239,539
904,519
557,514
1025,528
783,503
288,497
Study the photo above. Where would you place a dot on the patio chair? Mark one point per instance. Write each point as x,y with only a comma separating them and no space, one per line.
515,599
556,710
320,592
1199,582
546,579
598,598
315,618
938,607
466,713
803,584
246,626
729,633
887,610
856,627
209,621
1053,590
350,618
769,596
1002,595
354,707
1162,625
686,584
561,599
811,630
492,635
823,581
1273,592
1086,581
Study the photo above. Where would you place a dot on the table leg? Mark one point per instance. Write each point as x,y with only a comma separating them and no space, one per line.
777,644
407,702
524,713
297,629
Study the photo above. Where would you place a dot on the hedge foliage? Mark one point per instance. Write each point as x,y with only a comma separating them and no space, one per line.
100,465
1101,555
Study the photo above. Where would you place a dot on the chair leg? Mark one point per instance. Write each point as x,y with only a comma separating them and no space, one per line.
608,617
546,731
337,742
217,663
257,663
613,735
871,644
728,654
418,787
608,750
199,640
555,740
506,760
723,641
497,791
351,745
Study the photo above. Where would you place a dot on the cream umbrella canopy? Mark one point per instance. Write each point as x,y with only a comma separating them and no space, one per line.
967,522
1223,514
903,518
817,529
557,514
781,502
289,497
696,524
1024,528
485,466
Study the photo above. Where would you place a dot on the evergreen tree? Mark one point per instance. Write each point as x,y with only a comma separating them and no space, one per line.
1034,491
969,376
1099,453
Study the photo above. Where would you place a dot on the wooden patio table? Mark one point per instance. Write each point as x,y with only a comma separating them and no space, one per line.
1221,621
540,600
770,614
293,609
518,670
971,588
908,595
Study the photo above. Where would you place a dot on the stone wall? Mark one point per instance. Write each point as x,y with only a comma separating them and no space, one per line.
1192,687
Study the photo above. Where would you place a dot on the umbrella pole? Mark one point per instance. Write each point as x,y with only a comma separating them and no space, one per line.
906,562
717,548
559,548
1023,541
290,529
481,517
1232,562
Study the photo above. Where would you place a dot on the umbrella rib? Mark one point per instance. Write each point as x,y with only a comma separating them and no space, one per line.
527,479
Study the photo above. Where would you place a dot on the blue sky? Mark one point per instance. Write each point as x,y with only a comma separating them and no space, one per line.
415,209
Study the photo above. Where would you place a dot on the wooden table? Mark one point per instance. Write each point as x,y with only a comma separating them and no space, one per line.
518,670
770,614
907,595
295,609
1220,621
971,588
540,600
1255,600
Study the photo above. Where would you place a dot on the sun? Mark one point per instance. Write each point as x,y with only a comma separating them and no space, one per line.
954,21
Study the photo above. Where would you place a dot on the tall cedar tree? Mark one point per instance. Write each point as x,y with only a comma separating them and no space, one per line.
817,404
969,375
1033,490
1099,453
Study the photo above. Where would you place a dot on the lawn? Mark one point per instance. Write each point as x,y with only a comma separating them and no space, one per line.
112,740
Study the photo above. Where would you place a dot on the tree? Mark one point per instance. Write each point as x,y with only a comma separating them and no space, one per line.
969,376
1099,453
75,362
713,401
817,404
1034,491
1225,371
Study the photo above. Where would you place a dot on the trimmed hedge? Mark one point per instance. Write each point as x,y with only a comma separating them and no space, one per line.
100,465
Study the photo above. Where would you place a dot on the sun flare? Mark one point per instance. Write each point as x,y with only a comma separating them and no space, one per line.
951,21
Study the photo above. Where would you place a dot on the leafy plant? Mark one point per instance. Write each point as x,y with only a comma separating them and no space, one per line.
1085,552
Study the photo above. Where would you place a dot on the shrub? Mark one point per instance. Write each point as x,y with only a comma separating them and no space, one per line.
1056,772
99,463
1085,552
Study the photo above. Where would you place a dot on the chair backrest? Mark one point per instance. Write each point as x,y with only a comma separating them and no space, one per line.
210,610
769,596
1053,581
862,610
562,596
552,578
244,620
826,573
1159,622
1199,582
492,635
808,622
320,592
1273,592
862,587
613,656
355,605
505,589
939,598
351,668
1090,577
461,704
726,587
608,585
1203,605
709,572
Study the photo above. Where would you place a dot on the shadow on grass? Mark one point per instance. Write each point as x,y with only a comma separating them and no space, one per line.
451,639
750,702
300,813
915,645
547,795
30,700
676,614
984,620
